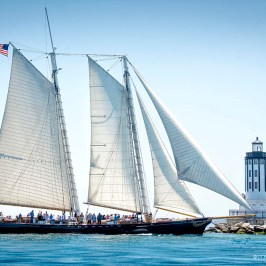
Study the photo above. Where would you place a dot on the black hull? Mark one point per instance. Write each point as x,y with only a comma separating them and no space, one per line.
193,226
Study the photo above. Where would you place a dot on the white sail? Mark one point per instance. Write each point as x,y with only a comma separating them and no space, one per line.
112,181
191,163
33,171
169,192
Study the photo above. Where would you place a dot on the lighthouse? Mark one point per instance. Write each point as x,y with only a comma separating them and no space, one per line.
255,180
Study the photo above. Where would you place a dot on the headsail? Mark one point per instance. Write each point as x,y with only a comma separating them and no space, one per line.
169,192
33,171
113,181
191,163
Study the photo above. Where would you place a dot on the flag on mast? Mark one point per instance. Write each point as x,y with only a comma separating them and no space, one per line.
4,49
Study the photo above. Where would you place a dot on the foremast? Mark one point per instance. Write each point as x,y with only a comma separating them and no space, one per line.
136,147
74,197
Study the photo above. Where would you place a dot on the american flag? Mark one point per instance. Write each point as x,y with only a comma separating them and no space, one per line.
4,49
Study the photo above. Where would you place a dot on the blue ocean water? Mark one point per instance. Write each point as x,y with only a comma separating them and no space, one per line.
58,249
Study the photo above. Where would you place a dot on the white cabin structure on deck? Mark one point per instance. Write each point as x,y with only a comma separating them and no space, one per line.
255,181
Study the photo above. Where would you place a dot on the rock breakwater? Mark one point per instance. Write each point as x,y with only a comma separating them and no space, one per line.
238,228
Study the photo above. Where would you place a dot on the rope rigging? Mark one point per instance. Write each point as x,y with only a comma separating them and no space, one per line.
34,50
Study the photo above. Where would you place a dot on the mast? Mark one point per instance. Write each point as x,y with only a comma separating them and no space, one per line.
136,147
74,196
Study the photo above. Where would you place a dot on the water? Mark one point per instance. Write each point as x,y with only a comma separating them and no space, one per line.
57,249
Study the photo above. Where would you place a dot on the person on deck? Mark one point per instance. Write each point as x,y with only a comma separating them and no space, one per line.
31,216
89,218
63,216
86,216
150,217
115,218
94,218
20,218
111,218
40,217
51,219
46,217
81,218
99,218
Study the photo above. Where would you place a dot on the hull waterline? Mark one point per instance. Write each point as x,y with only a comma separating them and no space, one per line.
193,226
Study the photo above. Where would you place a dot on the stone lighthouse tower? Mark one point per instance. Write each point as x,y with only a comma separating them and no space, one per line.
255,179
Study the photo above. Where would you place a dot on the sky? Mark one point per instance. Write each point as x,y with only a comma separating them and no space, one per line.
205,60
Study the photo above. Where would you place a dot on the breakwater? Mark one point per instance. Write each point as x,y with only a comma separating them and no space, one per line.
238,228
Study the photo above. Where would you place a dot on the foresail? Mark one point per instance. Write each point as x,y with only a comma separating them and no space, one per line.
169,192
33,172
113,181
192,165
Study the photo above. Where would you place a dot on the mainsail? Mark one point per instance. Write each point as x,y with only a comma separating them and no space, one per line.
169,192
191,163
33,169
113,181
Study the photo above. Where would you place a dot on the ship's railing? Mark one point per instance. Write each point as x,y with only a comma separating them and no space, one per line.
259,214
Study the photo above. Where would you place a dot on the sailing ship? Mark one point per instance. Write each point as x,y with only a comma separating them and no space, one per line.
35,161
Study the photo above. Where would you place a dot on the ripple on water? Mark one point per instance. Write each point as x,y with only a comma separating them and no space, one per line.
131,249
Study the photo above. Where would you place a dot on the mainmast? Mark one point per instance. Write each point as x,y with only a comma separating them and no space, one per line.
74,196
136,147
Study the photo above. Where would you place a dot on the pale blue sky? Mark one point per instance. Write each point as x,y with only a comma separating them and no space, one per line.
205,59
